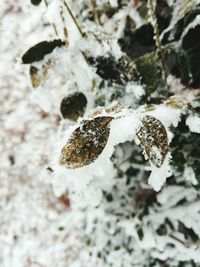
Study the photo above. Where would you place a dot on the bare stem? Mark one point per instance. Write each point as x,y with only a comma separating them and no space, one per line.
54,26
160,49
95,12
64,27
74,19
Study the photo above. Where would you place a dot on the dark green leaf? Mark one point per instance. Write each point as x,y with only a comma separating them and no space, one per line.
163,14
73,106
162,230
40,50
138,42
36,2
150,71
117,71
191,44
175,33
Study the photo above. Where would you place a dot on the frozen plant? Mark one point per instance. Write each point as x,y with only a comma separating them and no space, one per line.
124,78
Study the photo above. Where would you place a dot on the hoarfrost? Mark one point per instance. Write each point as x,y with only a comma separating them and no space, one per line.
105,213
193,122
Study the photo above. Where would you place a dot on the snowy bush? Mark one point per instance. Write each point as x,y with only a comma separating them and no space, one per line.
123,77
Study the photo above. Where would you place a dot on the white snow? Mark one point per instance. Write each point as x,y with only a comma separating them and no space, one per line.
193,122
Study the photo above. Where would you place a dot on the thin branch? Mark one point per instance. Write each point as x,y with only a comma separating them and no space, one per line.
64,27
177,239
74,19
54,26
160,49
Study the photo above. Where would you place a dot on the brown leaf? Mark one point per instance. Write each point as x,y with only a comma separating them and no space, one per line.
153,137
38,76
87,143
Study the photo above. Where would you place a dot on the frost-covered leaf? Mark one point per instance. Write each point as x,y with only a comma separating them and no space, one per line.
176,102
150,69
38,76
153,137
73,106
86,143
182,17
36,2
114,110
40,50
119,71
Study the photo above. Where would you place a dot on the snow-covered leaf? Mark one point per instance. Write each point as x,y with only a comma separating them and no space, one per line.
86,143
40,50
115,110
119,71
153,137
38,76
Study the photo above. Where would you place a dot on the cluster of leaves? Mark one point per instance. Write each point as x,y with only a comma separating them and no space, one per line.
185,149
140,63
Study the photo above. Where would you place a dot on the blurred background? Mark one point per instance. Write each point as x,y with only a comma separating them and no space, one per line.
30,215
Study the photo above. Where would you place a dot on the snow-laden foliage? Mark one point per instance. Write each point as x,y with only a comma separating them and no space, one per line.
122,79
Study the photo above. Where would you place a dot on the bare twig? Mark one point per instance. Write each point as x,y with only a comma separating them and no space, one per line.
54,26
64,27
74,19
160,49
